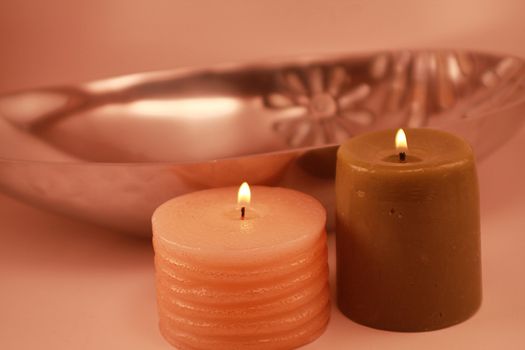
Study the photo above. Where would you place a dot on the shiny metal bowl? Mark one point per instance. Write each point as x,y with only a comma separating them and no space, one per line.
110,151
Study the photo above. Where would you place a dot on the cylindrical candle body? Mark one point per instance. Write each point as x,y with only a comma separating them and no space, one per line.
408,235
227,283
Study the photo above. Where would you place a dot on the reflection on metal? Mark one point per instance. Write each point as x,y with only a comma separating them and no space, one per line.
111,151
197,107
118,83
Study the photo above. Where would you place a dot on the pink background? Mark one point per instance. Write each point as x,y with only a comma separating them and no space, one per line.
62,41
69,285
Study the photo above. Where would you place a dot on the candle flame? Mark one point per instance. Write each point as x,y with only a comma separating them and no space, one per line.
401,141
244,195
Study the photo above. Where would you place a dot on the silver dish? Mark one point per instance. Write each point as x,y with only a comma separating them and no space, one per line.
111,151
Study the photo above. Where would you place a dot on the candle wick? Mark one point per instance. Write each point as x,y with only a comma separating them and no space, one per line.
402,156
243,212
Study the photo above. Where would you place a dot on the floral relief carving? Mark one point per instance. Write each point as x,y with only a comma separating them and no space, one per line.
328,104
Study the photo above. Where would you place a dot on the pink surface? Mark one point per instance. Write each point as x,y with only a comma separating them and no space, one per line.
69,285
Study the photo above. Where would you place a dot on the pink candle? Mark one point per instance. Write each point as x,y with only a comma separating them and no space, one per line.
228,282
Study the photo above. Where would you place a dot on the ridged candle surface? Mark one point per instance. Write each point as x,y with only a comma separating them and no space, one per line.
227,283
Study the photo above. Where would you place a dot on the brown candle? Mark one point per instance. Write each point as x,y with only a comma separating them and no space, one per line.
408,243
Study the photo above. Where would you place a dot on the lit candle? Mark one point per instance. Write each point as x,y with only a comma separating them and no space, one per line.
407,218
401,145
252,275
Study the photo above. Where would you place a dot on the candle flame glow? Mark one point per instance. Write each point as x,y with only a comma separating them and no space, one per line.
244,195
401,141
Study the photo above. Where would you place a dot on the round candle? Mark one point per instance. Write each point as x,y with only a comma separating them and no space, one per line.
228,281
408,234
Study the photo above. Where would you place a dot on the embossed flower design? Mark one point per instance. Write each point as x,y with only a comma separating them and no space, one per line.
329,109
420,86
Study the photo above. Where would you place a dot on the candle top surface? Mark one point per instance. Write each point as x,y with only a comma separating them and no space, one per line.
426,148
209,222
